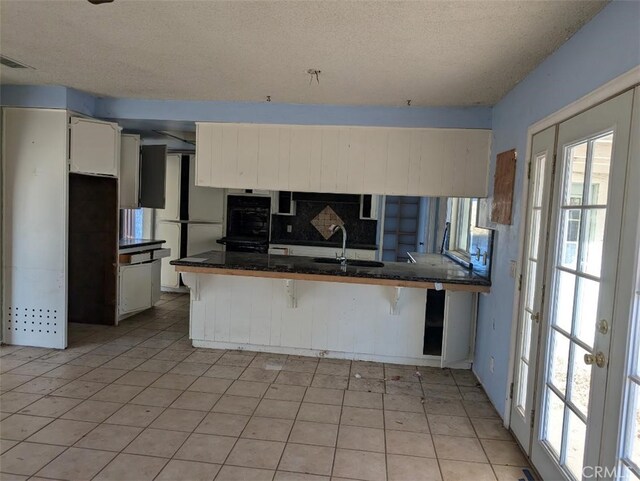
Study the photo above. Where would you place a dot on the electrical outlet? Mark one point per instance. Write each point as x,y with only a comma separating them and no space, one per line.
491,363
289,228
513,268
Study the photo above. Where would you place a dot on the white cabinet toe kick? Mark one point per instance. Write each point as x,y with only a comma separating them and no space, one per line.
383,323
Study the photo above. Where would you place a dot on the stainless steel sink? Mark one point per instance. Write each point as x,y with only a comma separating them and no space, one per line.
350,262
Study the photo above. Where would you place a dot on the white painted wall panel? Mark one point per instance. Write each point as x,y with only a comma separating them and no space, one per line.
378,160
225,168
376,156
299,158
335,317
356,161
284,159
34,202
205,136
248,145
329,163
398,162
269,157
315,160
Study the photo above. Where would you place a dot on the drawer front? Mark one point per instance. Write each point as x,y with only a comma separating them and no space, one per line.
136,258
160,253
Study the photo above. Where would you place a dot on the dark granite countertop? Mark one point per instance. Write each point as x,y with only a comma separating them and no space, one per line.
130,243
315,243
442,270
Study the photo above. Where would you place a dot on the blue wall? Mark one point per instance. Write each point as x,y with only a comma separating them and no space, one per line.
605,48
181,114
47,96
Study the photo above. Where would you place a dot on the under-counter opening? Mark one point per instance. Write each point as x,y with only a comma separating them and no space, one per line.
434,323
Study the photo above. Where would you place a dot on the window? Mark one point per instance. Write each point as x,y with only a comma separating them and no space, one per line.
132,223
463,213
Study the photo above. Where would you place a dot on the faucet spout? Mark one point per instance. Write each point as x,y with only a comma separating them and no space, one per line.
333,228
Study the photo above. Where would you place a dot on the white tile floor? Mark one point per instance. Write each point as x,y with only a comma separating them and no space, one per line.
137,402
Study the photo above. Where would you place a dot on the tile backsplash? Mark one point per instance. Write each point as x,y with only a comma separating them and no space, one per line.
302,229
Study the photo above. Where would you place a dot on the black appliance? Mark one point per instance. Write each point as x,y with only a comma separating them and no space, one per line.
247,224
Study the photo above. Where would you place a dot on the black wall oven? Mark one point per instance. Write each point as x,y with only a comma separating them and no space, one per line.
248,220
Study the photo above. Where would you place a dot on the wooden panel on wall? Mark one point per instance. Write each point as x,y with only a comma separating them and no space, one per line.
503,187
93,249
357,160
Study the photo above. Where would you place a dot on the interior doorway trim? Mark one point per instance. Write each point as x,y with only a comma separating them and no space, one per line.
610,89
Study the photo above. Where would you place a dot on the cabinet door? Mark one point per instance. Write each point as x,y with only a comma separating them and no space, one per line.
369,206
153,174
459,311
156,291
202,238
169,232
135,288
94,147
129,170
171,209
206,204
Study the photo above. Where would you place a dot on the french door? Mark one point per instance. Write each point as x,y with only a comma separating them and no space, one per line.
539,173
571,276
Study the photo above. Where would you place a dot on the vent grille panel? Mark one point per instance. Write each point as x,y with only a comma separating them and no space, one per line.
8,62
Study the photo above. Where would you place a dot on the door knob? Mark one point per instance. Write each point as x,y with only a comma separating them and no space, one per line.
598,359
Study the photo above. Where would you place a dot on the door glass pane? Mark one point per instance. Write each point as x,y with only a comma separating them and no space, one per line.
574,180
580,380
521,400
600,167
531,284
526,336
554,419
626,474
576,437
630,427
535,227
592,241
633,445
559,360
538,188
563,309
570,234
586,310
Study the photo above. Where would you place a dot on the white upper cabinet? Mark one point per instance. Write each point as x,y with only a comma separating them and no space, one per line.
94,147
129,171
171,209
358,160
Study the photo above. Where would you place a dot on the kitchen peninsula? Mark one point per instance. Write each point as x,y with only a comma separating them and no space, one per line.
420,314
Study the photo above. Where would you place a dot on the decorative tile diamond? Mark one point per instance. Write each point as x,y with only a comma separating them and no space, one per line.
325,218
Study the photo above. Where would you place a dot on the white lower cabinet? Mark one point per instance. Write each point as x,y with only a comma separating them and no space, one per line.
156,287
139,287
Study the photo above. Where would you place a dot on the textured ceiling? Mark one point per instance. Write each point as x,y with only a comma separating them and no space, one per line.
376,53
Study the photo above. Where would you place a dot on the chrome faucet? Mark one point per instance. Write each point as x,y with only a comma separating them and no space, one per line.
342,258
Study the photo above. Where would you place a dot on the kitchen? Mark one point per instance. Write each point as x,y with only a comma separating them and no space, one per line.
289,265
